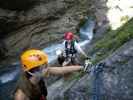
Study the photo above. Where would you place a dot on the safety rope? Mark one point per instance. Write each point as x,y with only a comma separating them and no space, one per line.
97,82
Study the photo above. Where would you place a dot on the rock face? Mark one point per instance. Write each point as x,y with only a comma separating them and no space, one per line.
16,5
35,23
115,80
117,83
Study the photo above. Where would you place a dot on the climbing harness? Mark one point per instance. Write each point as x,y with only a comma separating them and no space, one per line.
70,50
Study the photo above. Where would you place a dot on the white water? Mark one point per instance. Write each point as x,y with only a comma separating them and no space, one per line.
86,33
8,76
87,30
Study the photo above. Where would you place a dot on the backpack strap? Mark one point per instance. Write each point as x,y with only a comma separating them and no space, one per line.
73,50
43,87
66,48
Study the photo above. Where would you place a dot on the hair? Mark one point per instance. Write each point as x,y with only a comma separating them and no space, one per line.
27,87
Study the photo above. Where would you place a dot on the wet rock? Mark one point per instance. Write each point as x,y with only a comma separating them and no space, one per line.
117,82
114,82
39,25
116,78
16,5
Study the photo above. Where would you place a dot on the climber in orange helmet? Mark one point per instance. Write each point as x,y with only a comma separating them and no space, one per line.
31,85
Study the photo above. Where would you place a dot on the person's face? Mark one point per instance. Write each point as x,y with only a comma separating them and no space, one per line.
39,71
69,41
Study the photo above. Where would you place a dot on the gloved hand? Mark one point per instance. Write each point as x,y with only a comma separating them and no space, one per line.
87,65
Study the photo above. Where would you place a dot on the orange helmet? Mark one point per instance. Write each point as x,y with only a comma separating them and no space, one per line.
33,58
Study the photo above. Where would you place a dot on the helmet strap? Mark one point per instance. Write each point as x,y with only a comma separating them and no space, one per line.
28,75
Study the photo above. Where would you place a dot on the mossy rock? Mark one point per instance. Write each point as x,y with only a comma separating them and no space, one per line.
112,40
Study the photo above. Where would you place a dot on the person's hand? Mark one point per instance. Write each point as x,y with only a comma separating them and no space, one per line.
59,52
87,65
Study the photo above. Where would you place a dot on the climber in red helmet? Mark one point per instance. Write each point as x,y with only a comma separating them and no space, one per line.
71,49
68,36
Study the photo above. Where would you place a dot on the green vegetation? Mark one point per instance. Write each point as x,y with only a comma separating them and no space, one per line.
124,18
112,40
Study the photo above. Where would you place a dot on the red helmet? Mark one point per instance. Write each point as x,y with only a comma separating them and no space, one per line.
68,36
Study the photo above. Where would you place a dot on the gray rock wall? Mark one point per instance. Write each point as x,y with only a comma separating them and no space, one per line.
43,23
115,80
